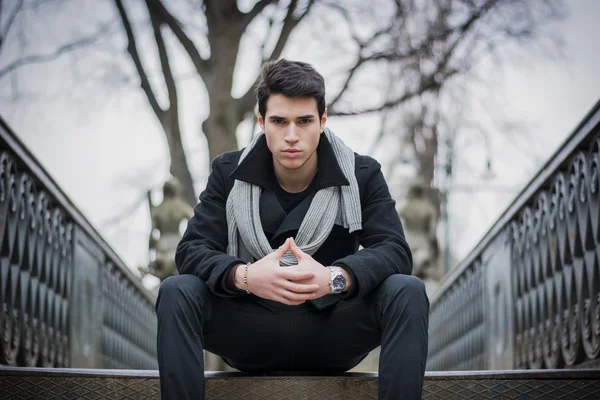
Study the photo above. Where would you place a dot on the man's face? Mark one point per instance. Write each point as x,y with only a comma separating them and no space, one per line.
292,128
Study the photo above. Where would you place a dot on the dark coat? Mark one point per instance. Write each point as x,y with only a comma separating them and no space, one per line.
203,248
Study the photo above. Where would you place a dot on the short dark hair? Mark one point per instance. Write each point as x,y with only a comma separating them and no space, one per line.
291,79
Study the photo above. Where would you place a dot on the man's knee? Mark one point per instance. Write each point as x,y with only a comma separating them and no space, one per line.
406,288
175,288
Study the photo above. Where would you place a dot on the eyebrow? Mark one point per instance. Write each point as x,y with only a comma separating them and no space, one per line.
308,116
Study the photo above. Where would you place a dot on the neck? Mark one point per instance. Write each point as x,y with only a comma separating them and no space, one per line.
297,180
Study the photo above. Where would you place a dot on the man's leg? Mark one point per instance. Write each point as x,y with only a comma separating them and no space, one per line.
251,334
256,334
404,314
180,310
394,316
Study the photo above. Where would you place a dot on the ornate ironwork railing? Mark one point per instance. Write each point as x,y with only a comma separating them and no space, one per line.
528,295
66,299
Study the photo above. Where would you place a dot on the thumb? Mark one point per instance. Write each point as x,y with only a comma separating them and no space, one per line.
282,249
295,249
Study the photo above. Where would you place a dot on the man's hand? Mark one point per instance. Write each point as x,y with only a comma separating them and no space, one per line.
266,279
306,263
322,274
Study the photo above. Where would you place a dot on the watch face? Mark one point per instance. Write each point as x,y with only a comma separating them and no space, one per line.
338,283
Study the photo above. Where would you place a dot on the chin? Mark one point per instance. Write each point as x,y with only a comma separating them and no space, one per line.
291,164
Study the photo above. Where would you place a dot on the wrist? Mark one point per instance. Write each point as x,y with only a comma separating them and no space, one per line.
238,277
348,277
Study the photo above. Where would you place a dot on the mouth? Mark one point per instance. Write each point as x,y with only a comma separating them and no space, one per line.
291,152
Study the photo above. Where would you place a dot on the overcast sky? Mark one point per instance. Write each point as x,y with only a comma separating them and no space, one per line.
106,150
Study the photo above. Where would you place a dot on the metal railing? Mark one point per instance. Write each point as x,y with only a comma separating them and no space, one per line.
66,299
528,295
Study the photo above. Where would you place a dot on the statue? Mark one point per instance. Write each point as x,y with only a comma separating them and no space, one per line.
163,241
420,217
165,236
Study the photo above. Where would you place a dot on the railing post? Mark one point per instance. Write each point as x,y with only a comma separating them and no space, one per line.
499,304
86,304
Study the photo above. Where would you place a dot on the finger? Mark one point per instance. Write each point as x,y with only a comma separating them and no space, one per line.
295,249
291,296
282,299
289,274
300,287
287,302
282,249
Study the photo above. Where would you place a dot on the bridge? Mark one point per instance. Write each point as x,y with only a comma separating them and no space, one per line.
519,317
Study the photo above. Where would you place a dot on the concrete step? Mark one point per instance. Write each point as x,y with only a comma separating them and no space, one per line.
95,384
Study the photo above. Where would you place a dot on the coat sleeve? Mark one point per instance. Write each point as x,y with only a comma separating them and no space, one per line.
202,250
385,251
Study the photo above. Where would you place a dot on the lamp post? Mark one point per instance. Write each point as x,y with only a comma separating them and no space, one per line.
447,187
447,168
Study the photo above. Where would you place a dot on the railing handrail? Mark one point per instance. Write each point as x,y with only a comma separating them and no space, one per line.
577,137
51,186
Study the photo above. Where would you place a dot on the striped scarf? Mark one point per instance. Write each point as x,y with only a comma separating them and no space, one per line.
332,205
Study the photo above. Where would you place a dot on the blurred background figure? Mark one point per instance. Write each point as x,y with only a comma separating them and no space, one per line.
420,218
165,233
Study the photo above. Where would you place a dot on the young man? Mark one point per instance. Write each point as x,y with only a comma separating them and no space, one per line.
271,275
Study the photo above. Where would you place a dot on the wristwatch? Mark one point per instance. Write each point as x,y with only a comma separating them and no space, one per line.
337,281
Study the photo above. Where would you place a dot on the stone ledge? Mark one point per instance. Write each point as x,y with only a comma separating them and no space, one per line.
92,384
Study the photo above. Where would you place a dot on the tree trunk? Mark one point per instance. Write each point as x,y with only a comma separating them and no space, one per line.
425,160
179,166
225,114
220,126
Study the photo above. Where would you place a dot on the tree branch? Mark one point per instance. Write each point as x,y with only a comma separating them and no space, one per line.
289,23
9,21
246,102
133,52
361,44
346,15
257,9
42,58
202,66
395,55
164,61
427,85
346,84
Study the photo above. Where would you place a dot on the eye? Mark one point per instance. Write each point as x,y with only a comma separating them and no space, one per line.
278,121
305,121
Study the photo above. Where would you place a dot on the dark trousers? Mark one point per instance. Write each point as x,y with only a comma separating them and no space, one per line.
253,334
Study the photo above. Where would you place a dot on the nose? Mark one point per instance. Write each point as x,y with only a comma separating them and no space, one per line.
291,135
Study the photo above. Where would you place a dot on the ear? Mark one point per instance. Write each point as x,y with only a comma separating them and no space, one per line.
324,119
261,121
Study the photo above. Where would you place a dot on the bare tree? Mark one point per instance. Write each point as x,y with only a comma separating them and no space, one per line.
425,53
423,48
419,46
223,28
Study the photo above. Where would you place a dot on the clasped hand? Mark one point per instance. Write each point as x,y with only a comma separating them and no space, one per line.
291,285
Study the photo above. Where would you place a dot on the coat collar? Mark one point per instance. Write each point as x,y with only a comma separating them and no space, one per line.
257,167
